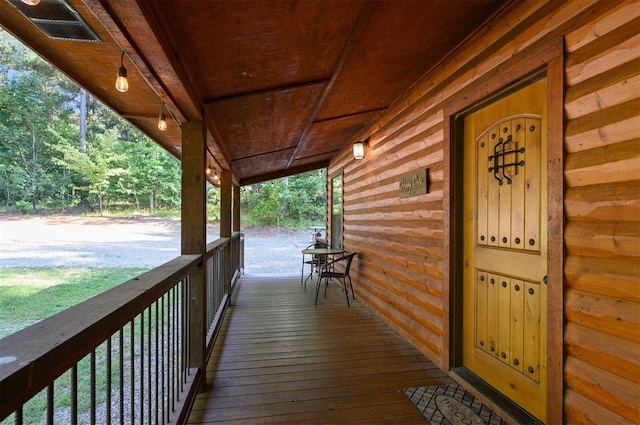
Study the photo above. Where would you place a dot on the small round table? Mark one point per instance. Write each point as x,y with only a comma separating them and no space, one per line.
313,252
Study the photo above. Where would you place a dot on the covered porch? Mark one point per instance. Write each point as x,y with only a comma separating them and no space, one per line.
257,90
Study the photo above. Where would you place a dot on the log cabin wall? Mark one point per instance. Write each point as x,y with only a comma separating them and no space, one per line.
400,268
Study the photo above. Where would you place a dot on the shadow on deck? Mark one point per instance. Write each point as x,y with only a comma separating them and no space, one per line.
280,359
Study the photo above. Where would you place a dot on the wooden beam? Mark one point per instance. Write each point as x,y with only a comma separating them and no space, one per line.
194,237
225,204
284,173
194,164
236,208
225,225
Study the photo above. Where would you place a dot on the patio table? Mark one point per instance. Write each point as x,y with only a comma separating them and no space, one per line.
313,252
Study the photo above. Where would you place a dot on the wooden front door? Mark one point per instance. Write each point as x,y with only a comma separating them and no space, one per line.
505,246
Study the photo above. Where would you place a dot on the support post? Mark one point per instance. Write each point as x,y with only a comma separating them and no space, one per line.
225,224
236,208
237,254
194,237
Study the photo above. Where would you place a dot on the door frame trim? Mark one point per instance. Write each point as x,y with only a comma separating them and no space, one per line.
549,59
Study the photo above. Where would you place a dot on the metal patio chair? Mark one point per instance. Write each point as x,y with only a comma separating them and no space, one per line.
337,269
316,261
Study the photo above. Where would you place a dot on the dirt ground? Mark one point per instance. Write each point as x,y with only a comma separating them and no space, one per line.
136,241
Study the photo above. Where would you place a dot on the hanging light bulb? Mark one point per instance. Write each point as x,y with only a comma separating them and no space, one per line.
208,171
162,122
122,84
216,177
31,2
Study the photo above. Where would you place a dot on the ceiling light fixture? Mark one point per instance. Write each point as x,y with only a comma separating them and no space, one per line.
162,121
122,84
31,2
358,148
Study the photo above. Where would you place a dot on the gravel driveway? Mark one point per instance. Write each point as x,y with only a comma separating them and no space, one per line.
61,241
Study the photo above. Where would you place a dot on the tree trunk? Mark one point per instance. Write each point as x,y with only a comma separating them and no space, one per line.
100,204
83,120
152,202
34,166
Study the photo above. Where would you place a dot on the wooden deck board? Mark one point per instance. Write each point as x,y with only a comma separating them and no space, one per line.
280,359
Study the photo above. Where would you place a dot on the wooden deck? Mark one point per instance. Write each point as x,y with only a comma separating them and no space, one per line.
280,359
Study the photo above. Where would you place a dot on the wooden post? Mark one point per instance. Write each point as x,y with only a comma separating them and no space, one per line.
225,204
236,227
236,208
225,225
194,237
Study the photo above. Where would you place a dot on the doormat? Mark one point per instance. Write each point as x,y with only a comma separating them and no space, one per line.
451,405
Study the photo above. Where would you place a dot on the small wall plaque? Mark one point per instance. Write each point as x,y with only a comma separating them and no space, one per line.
414,184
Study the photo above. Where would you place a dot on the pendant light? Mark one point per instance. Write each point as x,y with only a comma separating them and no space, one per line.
122,84
31,2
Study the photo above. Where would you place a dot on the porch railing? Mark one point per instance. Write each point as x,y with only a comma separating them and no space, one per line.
121,357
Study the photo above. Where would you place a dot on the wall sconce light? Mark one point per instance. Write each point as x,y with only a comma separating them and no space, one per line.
358,148
31,2
122,84
162,121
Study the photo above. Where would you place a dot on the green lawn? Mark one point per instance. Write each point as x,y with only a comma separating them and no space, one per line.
28,295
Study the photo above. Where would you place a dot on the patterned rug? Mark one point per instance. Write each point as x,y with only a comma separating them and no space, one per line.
451,405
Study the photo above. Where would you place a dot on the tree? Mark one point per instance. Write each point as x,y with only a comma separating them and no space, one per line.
294,200
60,147
32,101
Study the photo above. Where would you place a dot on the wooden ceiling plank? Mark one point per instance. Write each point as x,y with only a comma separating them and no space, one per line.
274,91
269,121
355,33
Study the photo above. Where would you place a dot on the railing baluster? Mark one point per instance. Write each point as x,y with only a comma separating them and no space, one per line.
141,367
132,376
92,391
157,357
121,372
149,396
163,357
50,404
108,388
74,394
172,355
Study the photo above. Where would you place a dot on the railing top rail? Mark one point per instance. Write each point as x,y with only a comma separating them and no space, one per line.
35,356
220,243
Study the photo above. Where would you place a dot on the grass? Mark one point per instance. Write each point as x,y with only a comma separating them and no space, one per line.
28,295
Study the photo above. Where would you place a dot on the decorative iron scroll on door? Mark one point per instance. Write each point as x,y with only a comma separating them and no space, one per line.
500,152
508,215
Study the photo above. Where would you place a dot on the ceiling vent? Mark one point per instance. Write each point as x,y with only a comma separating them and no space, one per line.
57,20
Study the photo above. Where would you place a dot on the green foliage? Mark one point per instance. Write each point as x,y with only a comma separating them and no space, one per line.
24,207
45,162
294,201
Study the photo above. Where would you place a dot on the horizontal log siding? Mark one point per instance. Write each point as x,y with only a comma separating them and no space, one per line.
399,271
602,210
